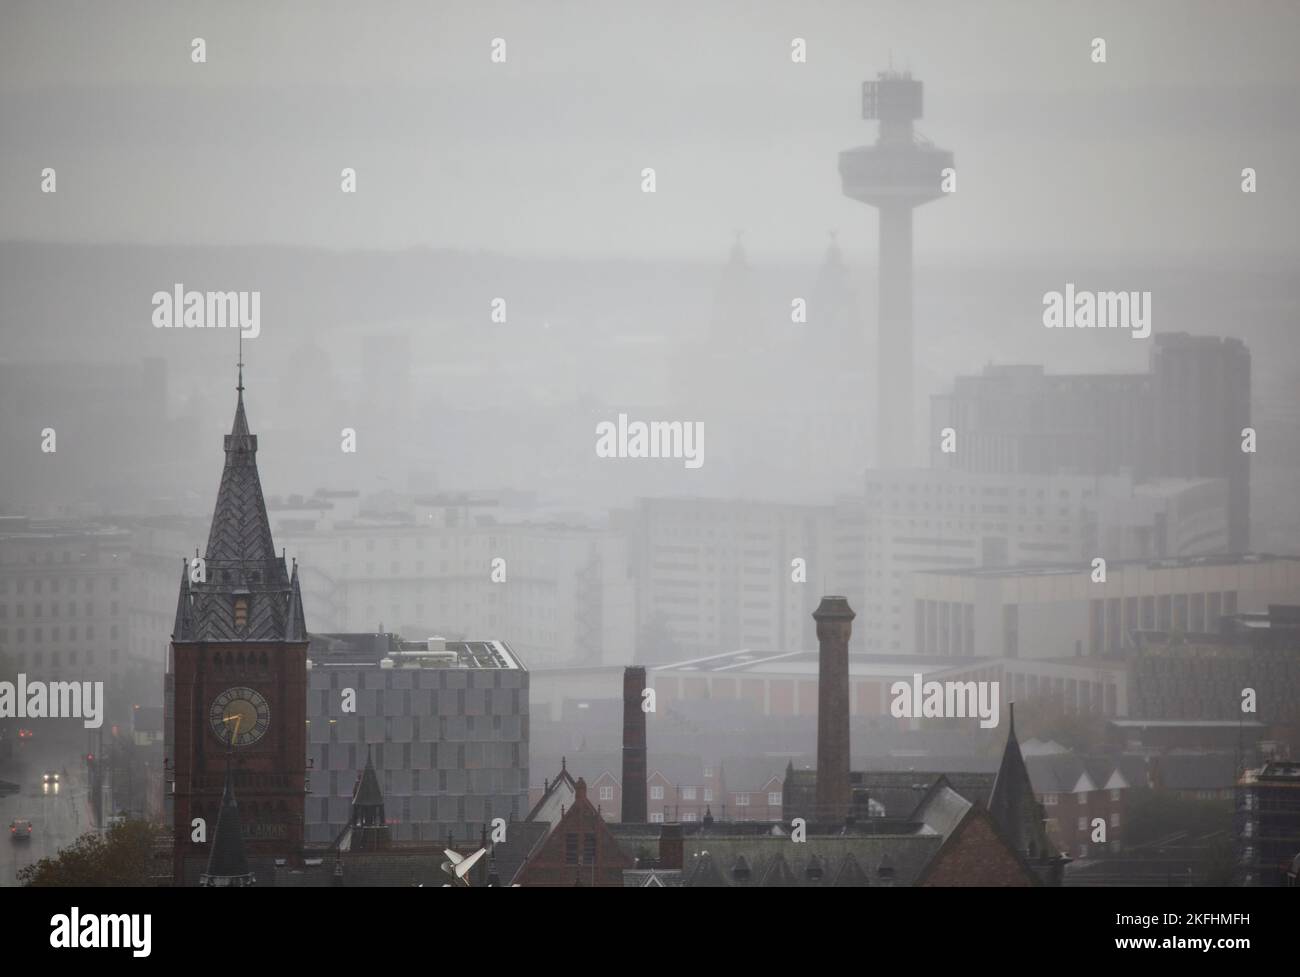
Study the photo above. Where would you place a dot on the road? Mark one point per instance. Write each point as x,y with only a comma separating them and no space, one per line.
57,819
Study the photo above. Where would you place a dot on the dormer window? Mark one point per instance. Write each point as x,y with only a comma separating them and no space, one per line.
241,612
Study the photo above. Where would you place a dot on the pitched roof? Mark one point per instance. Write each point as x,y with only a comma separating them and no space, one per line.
975,814
906,854
241,567
558,796
942,808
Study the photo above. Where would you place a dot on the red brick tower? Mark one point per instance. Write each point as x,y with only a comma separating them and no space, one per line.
237,675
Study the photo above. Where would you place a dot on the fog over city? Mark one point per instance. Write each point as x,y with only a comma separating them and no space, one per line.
837,374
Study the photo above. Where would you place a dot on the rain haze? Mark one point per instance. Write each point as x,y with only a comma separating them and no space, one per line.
842,375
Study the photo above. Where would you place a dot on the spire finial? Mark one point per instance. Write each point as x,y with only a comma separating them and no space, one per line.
240,386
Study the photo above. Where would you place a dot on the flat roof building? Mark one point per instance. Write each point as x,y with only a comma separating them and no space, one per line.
446,723
1058,611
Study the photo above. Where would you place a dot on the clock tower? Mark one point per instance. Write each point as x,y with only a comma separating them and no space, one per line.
236,679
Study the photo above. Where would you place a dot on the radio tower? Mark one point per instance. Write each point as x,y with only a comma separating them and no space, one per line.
901,171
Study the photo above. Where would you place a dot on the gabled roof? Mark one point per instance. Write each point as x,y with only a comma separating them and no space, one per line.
973,815
1058,773
942,808
557,798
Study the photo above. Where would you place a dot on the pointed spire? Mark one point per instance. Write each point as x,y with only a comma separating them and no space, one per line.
241,531
1012,803
368,795
240,427
296,622
227,863
369,829
183,626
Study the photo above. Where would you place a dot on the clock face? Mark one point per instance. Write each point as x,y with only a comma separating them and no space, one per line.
240,716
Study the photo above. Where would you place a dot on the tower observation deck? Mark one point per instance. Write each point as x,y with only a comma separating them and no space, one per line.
901,171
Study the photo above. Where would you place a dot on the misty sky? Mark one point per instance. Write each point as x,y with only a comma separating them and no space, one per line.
542,155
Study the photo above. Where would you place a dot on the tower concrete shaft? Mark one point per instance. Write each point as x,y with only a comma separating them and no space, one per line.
901,171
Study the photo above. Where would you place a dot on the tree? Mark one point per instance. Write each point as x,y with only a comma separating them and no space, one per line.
122,857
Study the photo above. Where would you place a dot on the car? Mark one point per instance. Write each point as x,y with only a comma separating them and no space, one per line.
50,782
20,829
51,776
25,734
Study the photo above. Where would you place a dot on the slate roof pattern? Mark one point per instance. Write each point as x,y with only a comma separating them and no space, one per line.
240,563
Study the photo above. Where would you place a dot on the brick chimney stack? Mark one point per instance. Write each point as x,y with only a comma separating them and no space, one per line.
671,847
834,620
634,747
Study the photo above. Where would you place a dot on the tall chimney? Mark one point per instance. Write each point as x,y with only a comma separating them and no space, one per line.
634,747
834,620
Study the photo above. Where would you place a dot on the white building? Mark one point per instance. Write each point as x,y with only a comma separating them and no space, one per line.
562,592
914,520
1059,612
